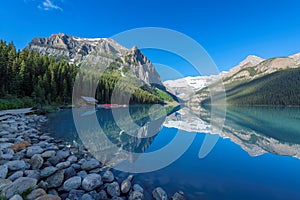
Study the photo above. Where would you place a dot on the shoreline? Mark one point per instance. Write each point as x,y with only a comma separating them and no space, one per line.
34,165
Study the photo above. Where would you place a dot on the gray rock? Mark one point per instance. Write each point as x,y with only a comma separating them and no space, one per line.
91,181
81,161
3,171
75,194
35,194
72,159
130,177
82,173
54,160
5,145
102,195
86,197
16,197
2,133
95,171
94,195
72,183
70,172
178,196
53,192
15,165
125,186
76,166
63,165
4,183
34,150
136,195
117,198
2,140
48,154
7,154
43,144
48,197
19,139
61,154
56,179
90,164
36,161
137,187
33,174
43,185
159,194
47,171
16,175
108,177
113,189
19,186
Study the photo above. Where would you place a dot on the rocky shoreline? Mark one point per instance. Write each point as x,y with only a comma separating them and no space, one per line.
34,165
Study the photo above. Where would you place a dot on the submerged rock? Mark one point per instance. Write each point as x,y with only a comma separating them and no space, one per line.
178,196
113,189
136,195
159,194
125,186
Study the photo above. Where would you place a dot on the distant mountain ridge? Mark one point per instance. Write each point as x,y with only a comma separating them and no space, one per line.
251,68
97,53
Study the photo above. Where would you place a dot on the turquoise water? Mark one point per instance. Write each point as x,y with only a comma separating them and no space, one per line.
256,156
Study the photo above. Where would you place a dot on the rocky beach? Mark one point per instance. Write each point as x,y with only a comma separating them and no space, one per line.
34,165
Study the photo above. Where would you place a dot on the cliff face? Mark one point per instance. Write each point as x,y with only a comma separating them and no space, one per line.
97,53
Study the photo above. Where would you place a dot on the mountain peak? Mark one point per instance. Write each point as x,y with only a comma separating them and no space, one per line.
252,59
96,52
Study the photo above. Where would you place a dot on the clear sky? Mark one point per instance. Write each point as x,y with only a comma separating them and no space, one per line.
229,30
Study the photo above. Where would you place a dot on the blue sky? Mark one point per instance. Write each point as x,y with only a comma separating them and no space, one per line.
228,30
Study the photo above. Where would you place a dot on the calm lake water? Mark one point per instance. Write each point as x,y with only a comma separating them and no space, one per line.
256,156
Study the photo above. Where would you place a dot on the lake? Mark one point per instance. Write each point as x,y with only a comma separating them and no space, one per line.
256,156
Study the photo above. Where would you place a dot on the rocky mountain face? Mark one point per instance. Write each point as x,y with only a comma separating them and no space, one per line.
97,53
253,67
